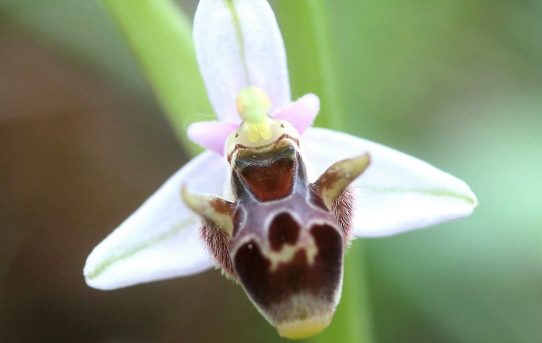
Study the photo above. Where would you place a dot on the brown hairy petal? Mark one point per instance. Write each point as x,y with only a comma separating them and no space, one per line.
218,242
342,208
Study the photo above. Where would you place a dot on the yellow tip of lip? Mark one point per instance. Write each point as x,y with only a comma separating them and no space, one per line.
305,328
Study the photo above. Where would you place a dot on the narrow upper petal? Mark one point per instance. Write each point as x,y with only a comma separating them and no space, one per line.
211,135
238,44
161,239
300,113
397,192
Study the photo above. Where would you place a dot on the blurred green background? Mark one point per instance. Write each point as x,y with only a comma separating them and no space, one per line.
83,142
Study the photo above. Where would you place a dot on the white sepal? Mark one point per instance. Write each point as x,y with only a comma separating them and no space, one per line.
397,192
161,239
238,44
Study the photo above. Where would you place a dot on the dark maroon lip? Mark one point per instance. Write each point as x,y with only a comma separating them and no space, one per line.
287,241
268,175
272,288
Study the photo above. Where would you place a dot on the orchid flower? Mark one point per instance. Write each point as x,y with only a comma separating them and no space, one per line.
273,201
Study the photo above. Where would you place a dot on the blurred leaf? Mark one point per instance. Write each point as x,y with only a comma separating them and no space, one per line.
304,25
402,63
92,39
161,38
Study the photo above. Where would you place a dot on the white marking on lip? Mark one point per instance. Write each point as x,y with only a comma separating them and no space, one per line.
287,252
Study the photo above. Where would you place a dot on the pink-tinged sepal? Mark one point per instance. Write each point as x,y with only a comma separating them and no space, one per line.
301,113
211,135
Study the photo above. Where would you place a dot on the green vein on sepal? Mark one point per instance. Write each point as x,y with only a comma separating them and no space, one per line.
432,192
240,39
135,249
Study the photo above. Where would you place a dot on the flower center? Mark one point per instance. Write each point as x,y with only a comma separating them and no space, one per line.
253,105
258,128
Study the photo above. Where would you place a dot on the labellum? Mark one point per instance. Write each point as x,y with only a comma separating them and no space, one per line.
282,238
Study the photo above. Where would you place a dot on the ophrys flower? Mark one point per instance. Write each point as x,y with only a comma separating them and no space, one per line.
274,226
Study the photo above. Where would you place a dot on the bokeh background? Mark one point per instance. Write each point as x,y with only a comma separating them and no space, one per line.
83,142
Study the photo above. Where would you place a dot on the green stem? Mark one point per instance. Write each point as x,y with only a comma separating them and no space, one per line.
161,38
306,34
352,322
